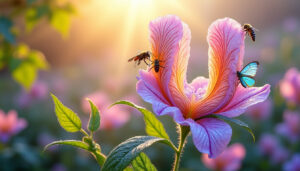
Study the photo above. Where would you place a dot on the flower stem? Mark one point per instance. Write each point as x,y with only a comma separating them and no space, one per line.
94,148
99,157
183,134
85,133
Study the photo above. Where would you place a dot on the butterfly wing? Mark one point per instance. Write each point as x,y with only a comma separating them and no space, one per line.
247,81
250,69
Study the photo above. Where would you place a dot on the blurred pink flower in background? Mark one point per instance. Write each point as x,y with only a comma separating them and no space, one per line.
267,144
111,118
229,160
38,91
290,128
280,155
260,111
293,164
271,147
290,24
58,167
290,86
10,125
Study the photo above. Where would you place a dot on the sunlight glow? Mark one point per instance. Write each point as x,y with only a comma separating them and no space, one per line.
125,22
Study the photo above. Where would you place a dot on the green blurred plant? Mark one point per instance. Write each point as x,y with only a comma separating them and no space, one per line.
16,56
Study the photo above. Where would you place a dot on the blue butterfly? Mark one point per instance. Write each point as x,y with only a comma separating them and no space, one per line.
246,75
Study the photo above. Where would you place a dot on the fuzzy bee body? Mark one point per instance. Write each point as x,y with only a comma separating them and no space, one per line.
156,65
249,29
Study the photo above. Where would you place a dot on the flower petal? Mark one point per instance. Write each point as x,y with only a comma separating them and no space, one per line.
165,34
210,135
199,86
226,48
244,98
148,88
178,77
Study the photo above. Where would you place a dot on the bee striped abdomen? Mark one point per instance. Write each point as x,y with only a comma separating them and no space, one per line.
252,35
250,31
156,65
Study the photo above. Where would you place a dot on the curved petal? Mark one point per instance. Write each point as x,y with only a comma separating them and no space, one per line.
210,135
179,68
148,88
226,48
244,98
165,34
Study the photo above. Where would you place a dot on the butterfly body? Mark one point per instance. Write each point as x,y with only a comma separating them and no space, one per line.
246,75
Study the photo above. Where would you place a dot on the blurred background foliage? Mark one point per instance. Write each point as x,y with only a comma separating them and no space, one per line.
15,55
76,48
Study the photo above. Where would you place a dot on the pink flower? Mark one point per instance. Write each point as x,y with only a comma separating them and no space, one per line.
10,125
38,91
170,94
279,155
260,111
271,147
111,118
290,128
267,144
290,24
290,86
228,160
293,164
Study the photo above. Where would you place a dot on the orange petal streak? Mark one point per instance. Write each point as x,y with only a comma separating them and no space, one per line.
165,34
226,43
178,77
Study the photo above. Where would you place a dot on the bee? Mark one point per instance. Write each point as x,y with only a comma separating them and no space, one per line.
249,29
156,65
141,57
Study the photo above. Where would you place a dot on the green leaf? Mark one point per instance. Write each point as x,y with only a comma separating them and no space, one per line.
25,74
74,143
153,126
60,20
121,156
235,121
38,60
142,163
33,15
129,168
94,121
66,117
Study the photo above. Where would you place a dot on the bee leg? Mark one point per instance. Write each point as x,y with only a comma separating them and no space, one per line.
145,61
150,69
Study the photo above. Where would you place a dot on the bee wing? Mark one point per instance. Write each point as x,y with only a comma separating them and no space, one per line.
130,59
255,29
